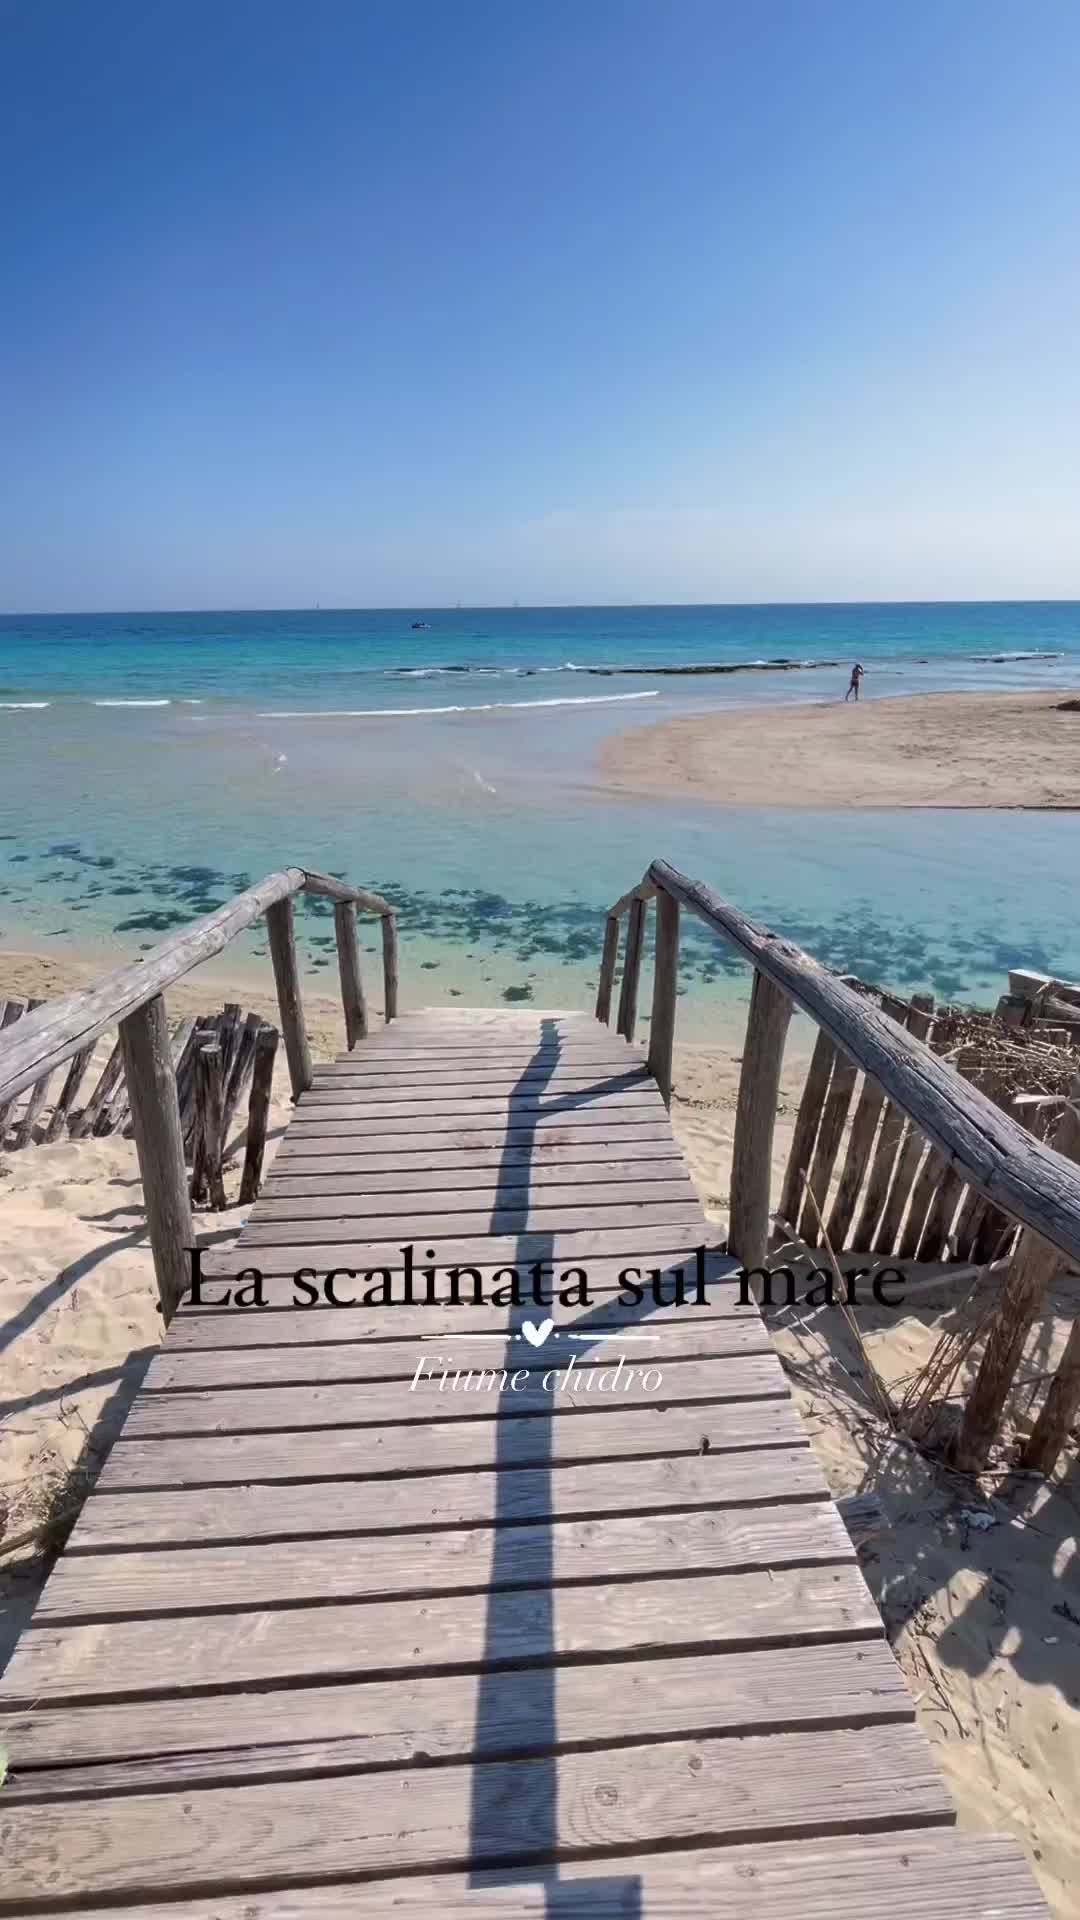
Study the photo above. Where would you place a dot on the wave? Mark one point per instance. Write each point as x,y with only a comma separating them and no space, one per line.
486,706
24,706
132,703
1021,653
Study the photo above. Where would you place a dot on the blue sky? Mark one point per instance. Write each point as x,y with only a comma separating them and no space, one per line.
555,300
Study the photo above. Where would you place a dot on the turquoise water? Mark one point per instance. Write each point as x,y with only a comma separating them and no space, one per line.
154,764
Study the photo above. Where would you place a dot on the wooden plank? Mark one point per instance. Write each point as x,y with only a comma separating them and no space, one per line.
520,1496
491,1173
785,1606
907,1165
361,1072
656,1270
412,1149
388,926
643,1247
196,1330
328,1223
460,1445
383,1566
665,992
805,1131
640,1185
938,1873
833,1115
69,1089
262,1080
234,1838
859,1149
389,1359
755,1121
265,1409
631,973
447,1717
634,1093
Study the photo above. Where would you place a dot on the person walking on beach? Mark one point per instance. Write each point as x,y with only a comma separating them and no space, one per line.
853,683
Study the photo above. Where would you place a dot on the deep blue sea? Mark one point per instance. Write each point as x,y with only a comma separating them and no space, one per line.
153,763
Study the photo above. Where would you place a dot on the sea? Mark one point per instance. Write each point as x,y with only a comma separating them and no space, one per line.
153,764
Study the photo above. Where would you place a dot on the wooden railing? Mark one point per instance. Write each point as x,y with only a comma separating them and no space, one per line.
972,1142
131,997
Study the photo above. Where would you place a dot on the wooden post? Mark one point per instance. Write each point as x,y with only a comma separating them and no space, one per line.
665,988
1059,1410
282,937
258,1111
209,1066
13,1010
608,960
860,1144
806,1127
155,1116
833,1116
390,967
352,980
35,1100
635,936
239,1072
1033,1266
86,1121
755,1120
68,1091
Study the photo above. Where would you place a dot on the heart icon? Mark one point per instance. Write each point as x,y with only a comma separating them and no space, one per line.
537,1335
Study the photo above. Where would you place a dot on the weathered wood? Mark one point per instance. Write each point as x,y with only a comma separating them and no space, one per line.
388,1453
934,1243
755,1121
1058,1412
155,1118
84,1122
859,1148
390,967
282,941
1033,1266
665,1793
340,890
524,1497
385,1723
792,1606
667,1346
68,1091
830,1132
262,1410
504,1208
665,990
940,1873
211,1100
240,1070
35,1100
353,1000
1032,1182
928,1183
539,1134
608,962
386,1566
805,1131
916,1018
11,1011
331,1087
644,891
514,1172
65,1026
262,1080
628,993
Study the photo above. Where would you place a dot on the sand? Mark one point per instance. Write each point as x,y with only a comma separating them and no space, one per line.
929,750
986,1625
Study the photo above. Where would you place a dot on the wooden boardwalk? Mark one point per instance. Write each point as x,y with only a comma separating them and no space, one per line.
328,1640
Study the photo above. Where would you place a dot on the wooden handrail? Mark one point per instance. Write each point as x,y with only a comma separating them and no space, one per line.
991,1150
44,1039
131,998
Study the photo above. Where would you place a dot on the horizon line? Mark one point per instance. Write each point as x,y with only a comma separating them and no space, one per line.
538,606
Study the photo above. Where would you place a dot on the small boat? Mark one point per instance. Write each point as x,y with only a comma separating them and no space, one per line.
421,626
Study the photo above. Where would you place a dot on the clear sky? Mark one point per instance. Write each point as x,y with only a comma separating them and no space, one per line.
555,300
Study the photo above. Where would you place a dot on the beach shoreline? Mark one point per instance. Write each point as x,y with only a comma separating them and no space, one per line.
962,751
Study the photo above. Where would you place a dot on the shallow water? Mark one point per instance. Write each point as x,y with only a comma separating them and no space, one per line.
486,826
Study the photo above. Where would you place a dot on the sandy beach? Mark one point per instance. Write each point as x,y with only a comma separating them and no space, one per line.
985,1624
929,750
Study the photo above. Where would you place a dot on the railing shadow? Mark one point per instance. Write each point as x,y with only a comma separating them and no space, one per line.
515,1808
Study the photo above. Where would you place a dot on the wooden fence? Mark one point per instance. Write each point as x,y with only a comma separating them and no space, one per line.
929,1160
155,1064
